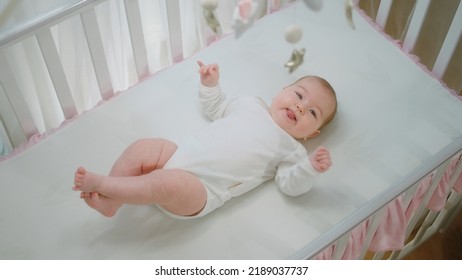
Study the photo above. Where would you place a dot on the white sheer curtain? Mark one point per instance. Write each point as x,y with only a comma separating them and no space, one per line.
30,69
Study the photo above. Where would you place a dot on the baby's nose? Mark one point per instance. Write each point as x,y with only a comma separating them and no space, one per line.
300,109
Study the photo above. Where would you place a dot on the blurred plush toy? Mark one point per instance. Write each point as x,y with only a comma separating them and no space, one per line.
245,14
208,8
349,12
314,5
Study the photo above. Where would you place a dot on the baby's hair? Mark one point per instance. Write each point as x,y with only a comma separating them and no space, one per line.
329,87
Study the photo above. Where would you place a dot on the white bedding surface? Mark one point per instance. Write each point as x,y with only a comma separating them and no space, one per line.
394,122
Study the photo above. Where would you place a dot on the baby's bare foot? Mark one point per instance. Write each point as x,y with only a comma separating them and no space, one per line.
106,206
86,181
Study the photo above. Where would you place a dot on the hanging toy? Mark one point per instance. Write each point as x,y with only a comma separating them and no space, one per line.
296,59
293,34
245,14
314,5
349,12
208,8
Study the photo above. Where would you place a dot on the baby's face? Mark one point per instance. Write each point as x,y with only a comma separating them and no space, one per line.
300,109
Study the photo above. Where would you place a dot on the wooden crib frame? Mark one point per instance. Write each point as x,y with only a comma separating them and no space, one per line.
17,121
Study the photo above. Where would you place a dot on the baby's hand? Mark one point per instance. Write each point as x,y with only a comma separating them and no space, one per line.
209,74
320,159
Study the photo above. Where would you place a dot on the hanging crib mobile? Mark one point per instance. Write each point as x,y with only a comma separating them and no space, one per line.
247,11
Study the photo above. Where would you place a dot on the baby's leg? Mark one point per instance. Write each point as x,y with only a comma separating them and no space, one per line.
105,205
175,190
141,157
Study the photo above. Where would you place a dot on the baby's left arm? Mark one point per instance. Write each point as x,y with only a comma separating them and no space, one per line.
297,177
320,159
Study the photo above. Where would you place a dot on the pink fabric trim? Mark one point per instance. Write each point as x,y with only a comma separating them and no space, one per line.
356,241
326,254
245,7
418,197
458,184
354,246
391,231
439,196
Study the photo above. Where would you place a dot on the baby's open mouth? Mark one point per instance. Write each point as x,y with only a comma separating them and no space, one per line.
291,115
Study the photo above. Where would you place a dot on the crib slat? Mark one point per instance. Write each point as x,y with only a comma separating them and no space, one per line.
10,129
269,6
174,29
18,104
56,71
455,210
132,9
378,256
452,199
443,217
340,247
410,192
449,45
418,16
98,57
384,11
421,210
429,220
435,181
374,223
4,136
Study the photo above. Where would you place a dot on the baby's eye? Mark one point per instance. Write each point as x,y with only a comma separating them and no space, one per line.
313,113
299,95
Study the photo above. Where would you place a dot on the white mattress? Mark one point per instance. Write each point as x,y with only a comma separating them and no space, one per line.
394,124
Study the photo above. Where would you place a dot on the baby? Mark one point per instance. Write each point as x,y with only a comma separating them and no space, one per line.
247,144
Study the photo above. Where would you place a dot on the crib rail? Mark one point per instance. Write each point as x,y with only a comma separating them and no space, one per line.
361,228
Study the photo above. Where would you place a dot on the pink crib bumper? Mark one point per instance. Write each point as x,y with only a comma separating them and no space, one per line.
391,232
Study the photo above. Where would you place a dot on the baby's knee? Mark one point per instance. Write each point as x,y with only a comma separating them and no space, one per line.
148,144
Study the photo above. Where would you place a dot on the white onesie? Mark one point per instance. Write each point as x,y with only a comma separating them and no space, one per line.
242,148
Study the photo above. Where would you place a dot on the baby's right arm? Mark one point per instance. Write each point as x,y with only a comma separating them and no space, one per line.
213,101
210,74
